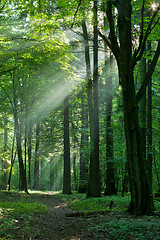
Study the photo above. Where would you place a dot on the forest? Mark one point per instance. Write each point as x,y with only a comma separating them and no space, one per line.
80,110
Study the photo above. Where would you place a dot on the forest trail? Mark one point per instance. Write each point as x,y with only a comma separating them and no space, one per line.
54,225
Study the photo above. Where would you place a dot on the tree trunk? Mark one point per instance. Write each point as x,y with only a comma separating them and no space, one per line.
149,128
141,195
23,181
51,173
142,108
94,188
5,154
84,156
74,170
67,168
110,176
36,160
29,155
13,157
90,98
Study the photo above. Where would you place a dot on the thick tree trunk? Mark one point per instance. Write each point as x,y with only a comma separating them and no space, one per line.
141,194
67,168
142,108
94,188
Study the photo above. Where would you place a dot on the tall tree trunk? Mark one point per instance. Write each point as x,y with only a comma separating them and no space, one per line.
142,108
149,128
84,156
5,154
29,154
141,195
13,157
67,167
110,176
90,96
36,160
23,181
52,173
94,186
74,170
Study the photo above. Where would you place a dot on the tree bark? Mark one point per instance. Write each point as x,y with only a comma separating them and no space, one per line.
67,167
110,178
149,128
84,156
52,173
29,154
94,188
23,181
36,160
141,194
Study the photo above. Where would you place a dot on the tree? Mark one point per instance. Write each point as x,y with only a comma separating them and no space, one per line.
110,176
141,195
84,147
36,159
94,188
67,168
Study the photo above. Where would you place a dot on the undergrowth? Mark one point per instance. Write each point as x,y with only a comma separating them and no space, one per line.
115,224
17,210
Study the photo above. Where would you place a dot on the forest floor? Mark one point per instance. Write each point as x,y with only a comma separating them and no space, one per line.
55,224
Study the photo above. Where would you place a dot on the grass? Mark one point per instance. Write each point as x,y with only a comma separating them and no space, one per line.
117,224
79,202
17,210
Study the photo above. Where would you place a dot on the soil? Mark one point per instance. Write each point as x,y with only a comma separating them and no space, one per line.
54,225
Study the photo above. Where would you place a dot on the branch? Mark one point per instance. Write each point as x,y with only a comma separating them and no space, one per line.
3,6
113,38
139,52
148,74
106,40
76,13
141,34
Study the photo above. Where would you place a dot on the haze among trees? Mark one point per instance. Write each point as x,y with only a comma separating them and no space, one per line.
79,98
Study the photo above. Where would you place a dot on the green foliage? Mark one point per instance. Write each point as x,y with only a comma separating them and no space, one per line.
18,210
124,227
79,202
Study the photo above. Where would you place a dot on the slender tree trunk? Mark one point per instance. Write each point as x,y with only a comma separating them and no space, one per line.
51,173
67,168
84,156
29,155
75,170
110,178
23,181
125,180
149,128
90,96
36,160
5,154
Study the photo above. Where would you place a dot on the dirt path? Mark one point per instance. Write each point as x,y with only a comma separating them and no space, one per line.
54,225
